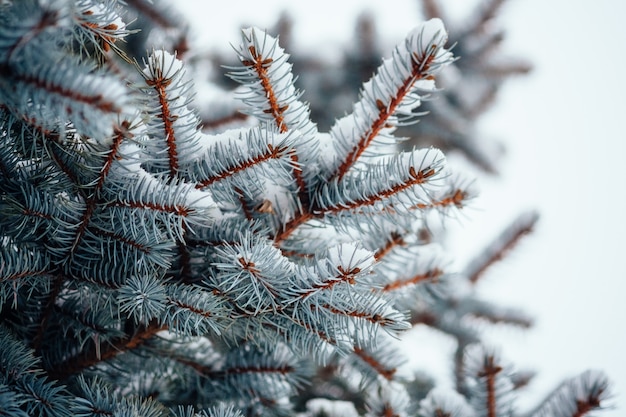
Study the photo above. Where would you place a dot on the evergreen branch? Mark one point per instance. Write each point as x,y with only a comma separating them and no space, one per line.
101,24
495,251
456,199
319,333
17,275
432,9
159,81
395,240
121,134
388,374
366,315
244,203
22,376
492,314
485,14
177,209
260,65
490,386
272,97
271,153
288,228
90,206
489,373
141,247
163,18
76,364
576,397
391,92
439,403
383,192
393,183
428,276
95,100
28,23
347,276
226,120
192,310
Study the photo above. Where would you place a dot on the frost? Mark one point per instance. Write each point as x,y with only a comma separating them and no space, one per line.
322,406
163,65
350,256
429,36
445,402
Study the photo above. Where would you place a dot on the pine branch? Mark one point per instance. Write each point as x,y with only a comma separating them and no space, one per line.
271,96
432,9
495,251
393,92
380,368
489,383
76,364
576,397
121,134
430,276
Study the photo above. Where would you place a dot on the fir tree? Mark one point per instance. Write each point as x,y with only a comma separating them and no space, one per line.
258,266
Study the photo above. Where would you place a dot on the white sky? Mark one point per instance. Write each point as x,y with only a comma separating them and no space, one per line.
566,147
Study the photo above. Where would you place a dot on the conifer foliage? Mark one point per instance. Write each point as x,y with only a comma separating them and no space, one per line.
150,268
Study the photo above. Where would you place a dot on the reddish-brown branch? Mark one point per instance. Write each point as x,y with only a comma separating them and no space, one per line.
244,204
272,153
99,32
166,208
121,133
495,319
585,406
127,241
373,318
95,100
501,246
454,199
260,66
432,9
377,366
293,224
92,202
160,84
394,241
193,309
49,18
420,69
322,335
415,178
148,10
115,347
429,276
489,372
344,276
20,275
217,123
303,195
33,213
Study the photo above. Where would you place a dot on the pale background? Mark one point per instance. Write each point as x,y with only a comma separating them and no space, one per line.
563,126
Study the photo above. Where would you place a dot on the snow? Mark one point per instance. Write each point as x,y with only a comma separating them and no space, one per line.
349,256
322,406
